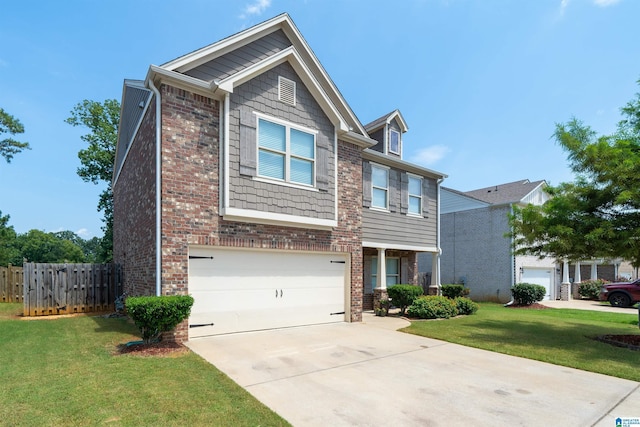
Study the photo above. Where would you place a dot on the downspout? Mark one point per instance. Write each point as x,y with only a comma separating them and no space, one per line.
513,262
156,92
438,274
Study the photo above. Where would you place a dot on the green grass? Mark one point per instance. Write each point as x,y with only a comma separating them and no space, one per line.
559,336
64,372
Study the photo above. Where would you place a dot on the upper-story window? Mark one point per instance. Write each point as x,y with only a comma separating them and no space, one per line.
415,195
394,142
379,187
286,152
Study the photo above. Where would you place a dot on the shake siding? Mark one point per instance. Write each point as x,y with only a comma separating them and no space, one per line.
261,95
239,59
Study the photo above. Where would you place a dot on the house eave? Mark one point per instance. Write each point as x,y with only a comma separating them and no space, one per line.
369,154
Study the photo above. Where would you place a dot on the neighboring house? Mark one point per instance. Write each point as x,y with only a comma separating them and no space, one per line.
243,178
475,250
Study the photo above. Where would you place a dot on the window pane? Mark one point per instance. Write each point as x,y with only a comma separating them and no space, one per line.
271,135
392,266
271,164
301,144
415,186
301,171
394,142
379,198
414,205
392,280
379,177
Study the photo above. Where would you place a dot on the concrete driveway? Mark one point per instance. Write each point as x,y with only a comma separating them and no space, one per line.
365,374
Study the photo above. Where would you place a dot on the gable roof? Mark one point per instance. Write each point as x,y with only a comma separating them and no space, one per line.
512,192
299,54
386,119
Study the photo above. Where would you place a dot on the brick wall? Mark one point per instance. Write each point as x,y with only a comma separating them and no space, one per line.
134,212
190,162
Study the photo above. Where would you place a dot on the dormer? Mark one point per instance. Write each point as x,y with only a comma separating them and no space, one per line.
388,130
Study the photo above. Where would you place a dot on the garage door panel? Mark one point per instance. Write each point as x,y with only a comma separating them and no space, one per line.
252,290
539,276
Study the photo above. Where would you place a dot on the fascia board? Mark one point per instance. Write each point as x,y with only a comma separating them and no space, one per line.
401,164
183,81
357,139
399,247
219,48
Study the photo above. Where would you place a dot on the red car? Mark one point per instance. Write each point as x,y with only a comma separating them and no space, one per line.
621,294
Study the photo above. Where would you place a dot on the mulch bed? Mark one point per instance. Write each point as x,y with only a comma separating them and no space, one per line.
632,342
156,349
534,306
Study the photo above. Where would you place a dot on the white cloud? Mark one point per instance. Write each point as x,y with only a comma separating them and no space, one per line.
83,232
430,155
605,3
563,6
255,8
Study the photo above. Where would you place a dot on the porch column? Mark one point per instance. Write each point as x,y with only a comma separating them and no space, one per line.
380,291
565,287
577,278
434,288
594,271
381,279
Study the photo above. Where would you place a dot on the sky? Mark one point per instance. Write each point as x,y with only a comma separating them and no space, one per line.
480,83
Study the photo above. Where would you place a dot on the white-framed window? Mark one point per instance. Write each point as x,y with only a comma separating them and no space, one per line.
415,195
379,187
394,141
286,152
393,271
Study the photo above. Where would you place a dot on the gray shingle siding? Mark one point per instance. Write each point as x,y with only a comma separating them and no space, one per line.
261,95
378,136
232,62
136,97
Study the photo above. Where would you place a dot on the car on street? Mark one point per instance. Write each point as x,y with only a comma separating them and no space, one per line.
621,294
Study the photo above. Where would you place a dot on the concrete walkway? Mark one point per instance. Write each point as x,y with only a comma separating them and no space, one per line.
365,374
590,305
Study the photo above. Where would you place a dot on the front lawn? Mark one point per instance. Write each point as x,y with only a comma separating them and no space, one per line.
559,336
63,371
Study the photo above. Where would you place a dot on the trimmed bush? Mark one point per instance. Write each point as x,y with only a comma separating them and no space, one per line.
402,296
433,307
527,293
590,289
466,306
454,291
154,315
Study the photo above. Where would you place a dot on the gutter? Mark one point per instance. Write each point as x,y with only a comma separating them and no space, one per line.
149,83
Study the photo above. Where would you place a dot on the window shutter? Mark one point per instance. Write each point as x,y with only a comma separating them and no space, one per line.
322,166
366,184
404,193
393,190
248,142
425,197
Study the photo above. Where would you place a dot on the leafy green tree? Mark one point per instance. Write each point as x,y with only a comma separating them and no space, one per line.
40,246
12,126
90,248
9,254
97,159
599,214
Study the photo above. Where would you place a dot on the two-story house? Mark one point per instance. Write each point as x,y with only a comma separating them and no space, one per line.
243,178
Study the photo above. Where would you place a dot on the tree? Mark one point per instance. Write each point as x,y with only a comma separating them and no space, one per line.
97,159
12,126
9,254
40,246
599,214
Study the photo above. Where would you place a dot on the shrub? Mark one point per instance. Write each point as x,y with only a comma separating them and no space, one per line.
590,289
466,306
155,315
403,296
433,307
527,293
454,291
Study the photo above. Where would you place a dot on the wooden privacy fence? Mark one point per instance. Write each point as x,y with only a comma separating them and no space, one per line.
11,284
51,289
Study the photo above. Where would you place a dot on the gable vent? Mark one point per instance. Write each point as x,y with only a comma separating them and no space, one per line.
287,91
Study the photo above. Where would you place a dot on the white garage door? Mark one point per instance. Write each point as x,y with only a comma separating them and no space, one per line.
538,276
243,290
